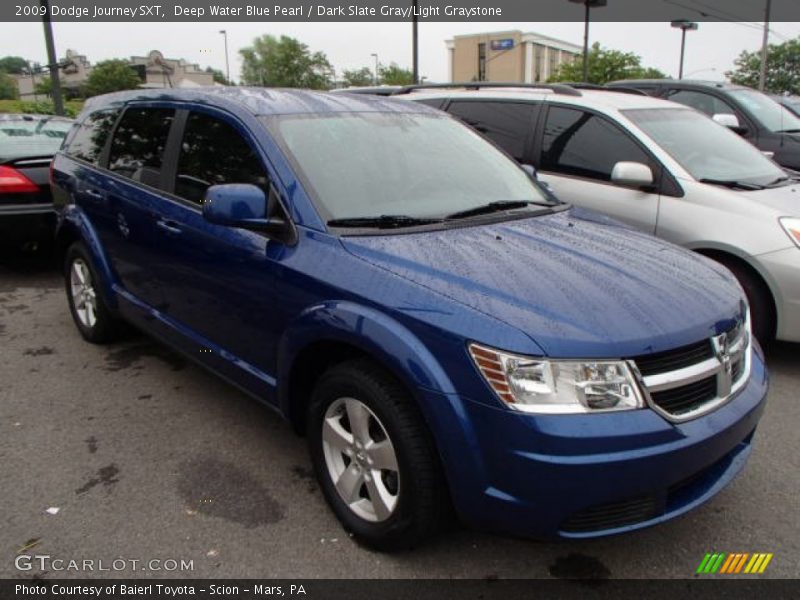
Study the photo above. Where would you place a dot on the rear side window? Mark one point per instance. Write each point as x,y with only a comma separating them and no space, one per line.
90,136
507,124
705,103
582,144
137,148
214,153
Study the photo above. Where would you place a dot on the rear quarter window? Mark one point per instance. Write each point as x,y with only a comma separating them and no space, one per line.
90,136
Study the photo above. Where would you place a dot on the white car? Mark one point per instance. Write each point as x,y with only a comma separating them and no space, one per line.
660,167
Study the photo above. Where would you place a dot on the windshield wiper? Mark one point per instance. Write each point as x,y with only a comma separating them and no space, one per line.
383,221
779,180
788,131
733,184
498,206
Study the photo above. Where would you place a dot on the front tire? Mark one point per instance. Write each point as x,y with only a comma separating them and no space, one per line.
374,458
762,308
94,320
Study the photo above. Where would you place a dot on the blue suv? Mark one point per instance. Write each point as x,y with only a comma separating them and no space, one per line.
443,330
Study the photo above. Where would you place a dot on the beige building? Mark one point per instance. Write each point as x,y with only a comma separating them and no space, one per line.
154,70
508,56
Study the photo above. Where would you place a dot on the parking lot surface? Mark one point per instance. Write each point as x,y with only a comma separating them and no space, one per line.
130,451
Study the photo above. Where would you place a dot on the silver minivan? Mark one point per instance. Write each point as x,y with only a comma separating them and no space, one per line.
660,167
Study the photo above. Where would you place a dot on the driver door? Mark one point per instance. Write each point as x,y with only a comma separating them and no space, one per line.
577,153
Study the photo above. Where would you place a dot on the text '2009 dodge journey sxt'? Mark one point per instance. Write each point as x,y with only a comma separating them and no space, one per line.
443,330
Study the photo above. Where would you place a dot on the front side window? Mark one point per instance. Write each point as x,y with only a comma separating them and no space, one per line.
137,148
583,144
213,153
90,136
773,116
421,165
707,150
507,124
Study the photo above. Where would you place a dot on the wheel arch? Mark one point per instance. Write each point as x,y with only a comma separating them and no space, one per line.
333,332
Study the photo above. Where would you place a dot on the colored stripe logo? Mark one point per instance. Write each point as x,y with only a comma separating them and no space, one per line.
734,563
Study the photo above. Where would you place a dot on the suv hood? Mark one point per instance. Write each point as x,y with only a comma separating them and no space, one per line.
575,284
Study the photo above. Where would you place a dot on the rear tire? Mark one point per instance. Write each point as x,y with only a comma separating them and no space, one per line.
94,320
374,458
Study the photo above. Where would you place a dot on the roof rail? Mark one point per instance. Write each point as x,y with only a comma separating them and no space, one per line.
557,88
604,88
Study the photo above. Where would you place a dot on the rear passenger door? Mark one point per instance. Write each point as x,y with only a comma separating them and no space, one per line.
577,152
508,124
127,206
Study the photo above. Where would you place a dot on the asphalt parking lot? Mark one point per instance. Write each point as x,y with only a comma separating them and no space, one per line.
146,456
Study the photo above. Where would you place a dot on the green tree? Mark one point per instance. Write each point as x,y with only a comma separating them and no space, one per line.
783,68
219,76
285,62
16,65
8,87
606,65
43,86
111,76
358,77
395,75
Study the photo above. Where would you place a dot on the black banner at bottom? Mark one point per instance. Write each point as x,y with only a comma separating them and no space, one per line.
401,589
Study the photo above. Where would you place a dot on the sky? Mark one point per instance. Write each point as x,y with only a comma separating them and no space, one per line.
710,51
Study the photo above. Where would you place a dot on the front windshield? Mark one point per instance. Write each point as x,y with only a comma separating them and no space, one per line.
704,148
378,163
772,115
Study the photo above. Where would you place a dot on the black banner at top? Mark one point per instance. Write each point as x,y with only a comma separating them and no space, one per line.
395,10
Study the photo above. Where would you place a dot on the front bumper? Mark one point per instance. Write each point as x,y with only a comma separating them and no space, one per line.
575,476
783,269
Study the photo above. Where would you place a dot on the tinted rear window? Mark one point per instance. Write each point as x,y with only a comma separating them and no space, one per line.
21,138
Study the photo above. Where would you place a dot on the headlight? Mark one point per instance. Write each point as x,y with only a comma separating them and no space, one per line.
791,226
558,386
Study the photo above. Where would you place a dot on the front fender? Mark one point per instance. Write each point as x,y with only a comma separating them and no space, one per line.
73,225
370,330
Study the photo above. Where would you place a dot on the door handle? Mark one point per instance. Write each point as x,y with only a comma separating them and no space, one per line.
94,194
170,227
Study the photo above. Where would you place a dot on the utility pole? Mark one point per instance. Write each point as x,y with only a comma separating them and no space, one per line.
52,61
762,73
227,64
414,43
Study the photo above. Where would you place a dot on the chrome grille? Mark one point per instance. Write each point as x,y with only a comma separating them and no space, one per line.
700,377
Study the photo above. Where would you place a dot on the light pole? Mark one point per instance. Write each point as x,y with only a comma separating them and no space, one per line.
58,103
375,56
762,72
684,26
589,4
227,64
414,44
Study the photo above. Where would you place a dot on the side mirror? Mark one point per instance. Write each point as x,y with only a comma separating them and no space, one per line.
730,121
236,205
244,205
632,174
